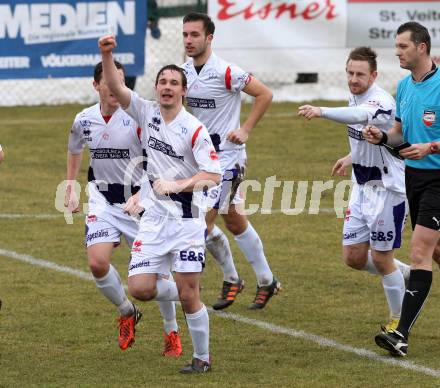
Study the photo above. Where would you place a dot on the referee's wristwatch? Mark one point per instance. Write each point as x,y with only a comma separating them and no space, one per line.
435,149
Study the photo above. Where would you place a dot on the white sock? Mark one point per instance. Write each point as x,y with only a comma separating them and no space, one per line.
168,311
111,287
166,290
218,245
394,287
404,268
371,268
250,244
198,326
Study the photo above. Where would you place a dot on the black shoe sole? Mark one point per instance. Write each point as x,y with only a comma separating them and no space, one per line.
384,344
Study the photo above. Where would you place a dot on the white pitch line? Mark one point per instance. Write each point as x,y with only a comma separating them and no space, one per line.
317,339
13,216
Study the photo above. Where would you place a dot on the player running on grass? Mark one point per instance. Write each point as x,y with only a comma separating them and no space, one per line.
182,164
214,95
113,139
378,208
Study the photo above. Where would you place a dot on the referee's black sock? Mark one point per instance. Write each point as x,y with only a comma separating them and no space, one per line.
415,296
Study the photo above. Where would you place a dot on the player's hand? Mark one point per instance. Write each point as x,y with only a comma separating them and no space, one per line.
372,134
71,200
2,156
132,206
340,167
238,136
107,43
164,187
416,151
309,111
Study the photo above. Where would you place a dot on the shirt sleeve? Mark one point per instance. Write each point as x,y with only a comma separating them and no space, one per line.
379,112
236,78
138,108
76,140
346,115
204,151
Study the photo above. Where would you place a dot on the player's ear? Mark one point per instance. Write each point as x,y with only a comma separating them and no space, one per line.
96,85
374,74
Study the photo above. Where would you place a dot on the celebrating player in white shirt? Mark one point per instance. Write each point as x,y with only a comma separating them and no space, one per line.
214,95
378,208
113,138
182,164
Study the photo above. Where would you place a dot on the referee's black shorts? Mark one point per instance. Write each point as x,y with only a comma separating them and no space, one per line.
423,193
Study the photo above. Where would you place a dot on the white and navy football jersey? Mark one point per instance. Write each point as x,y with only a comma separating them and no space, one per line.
371,162
214,97
177,150
113,145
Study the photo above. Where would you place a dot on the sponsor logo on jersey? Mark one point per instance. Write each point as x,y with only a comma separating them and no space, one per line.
85,123
98,234
126,123
165,148
136,246
109,153
155,127
87,133
213,155
354,134
382,236
212,76
204,103
349,236
429,117
191,255
143,263
91,218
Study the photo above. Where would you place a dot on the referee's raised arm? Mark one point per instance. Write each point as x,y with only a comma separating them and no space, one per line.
110,73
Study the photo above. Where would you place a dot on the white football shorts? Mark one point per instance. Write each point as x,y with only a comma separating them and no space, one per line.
233,165
163,243
105,223
375,215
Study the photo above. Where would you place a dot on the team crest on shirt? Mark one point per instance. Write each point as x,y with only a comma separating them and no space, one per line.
213,155
105,136
429,117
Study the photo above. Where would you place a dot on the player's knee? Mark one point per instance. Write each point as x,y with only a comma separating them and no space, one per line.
436,254
187,296
418,255
236,224
354,261
143,292
98,267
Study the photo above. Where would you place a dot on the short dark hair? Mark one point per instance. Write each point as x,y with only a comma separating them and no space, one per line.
208,24
172,68
97,73
419,34
366,54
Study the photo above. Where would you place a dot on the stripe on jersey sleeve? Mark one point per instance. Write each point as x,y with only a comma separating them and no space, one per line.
228,78
194,137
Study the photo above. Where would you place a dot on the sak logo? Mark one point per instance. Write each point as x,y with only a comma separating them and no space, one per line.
137,246
213,155
428,117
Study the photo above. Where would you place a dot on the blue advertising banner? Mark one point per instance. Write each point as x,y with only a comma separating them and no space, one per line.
58,38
